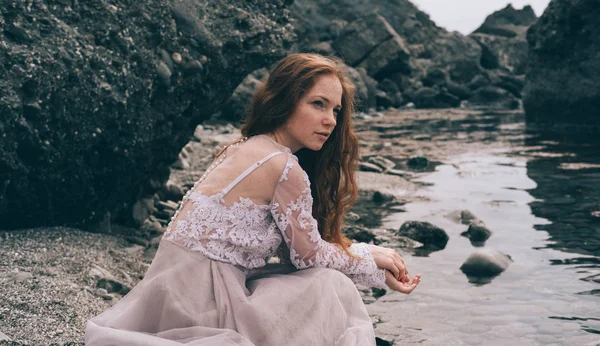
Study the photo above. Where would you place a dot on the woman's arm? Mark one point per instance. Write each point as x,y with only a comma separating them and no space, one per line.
292,211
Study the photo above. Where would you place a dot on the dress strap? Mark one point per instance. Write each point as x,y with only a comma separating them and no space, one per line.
246,173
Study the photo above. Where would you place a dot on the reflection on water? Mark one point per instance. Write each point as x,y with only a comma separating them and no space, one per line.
539,194
568,194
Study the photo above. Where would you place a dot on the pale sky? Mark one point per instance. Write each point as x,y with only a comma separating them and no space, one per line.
465,16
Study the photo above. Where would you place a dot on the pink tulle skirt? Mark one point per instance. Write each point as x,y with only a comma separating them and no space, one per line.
188,299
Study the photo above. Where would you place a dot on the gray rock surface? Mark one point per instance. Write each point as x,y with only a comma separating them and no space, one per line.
478,231
492,97
502,38
97,98
486,263
426,233
563,77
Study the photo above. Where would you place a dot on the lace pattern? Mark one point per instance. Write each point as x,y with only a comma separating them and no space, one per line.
300,233
241,234
247,234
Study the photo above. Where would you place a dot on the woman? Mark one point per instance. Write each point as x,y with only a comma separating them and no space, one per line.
208,285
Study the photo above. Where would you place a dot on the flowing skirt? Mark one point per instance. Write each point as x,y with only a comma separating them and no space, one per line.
187,299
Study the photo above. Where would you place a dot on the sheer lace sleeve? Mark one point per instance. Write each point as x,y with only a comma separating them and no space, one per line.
292,211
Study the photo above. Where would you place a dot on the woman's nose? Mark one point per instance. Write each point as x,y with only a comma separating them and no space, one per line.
331,119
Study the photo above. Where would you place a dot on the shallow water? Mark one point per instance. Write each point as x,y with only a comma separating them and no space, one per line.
539,194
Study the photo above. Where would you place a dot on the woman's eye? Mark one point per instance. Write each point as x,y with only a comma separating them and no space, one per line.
318,103
337,111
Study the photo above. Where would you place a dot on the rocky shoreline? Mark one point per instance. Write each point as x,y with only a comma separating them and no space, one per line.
54,279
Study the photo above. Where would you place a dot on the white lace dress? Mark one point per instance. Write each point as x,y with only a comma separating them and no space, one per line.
210,284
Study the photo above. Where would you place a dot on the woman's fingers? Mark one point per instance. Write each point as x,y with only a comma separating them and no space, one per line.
403,287
401,270
394,268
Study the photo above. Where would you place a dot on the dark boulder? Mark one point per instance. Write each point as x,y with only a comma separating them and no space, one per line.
502,38
485,263
563,75
429,235
478,232
235,108
391,40
434,98
98,98
371,42
493,97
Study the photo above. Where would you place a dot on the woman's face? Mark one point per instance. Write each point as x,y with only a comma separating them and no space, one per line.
315,116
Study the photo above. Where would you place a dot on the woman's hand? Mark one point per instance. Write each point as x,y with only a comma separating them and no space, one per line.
402,286
396,273
389,259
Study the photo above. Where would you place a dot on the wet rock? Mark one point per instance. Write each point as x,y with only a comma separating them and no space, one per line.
461,91
433,98
417,162
103,293
378,292
361,235
510,83
502,38
97,69
382,342
486,263
142,209
381,197
181,163
235,108
366,87
434,77
107,282
563,75
477,232
467,216
369,167
373,43
479,82
429,235
382,162
397,172
352,216
173,191
493,98
177,58
167,205
463,71
152,226
163,72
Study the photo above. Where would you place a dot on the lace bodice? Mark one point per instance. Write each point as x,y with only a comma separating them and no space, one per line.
245,222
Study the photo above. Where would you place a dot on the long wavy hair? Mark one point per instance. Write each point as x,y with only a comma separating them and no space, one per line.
331,170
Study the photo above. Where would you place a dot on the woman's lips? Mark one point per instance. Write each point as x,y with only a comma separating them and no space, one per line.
322,136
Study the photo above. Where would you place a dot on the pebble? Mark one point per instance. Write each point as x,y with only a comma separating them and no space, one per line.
177,58
164,74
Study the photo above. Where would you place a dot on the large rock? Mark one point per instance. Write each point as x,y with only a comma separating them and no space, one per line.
494,98
236,107
98,98
486,263
563,76
434,98
391,40
426,233
502,39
